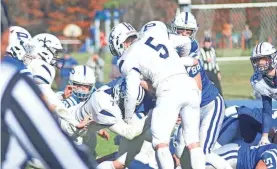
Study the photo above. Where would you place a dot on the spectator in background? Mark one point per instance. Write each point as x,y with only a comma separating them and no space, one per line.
103,45
227,35
68,63
211,67
247,35
115,71
97,64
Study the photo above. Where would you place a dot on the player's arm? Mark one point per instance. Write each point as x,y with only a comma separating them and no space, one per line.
189,61
56,105
267,115
194,72
147,85
132,75
131,130
198,80
261,165
132,84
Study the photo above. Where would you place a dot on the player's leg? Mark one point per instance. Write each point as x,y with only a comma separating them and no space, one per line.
132,147
163,121
230,127
190,115
229,152
209,129
250,129
128,149
213,115
145,159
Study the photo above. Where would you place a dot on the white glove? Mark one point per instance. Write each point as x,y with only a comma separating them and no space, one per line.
264,141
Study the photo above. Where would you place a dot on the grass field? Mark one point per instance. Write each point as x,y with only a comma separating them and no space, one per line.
235,85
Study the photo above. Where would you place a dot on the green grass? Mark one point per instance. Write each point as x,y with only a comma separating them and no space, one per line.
235,84
232,52
105,147
236,79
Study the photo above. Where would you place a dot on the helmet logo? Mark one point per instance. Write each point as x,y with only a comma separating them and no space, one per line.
44,41
128,26
21,35
148,26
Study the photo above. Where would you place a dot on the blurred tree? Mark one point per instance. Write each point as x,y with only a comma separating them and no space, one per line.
76,12
140,12
53,15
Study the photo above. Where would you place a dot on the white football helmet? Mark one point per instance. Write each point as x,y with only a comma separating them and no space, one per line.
155,28
264,50
82,75
120,89
185,21
118,35
47,47
19,43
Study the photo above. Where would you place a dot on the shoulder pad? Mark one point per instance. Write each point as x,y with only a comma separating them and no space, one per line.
43,72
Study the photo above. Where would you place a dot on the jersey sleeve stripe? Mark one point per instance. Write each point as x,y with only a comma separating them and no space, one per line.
41,78
46,68
106,113
136,69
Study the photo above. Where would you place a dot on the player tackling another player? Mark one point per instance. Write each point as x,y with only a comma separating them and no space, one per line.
162,79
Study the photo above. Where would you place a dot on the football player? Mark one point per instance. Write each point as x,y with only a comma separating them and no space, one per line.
212,103
245,156
80,86
129,148
19,49
153,57
264,82
46,48
244,124
82,82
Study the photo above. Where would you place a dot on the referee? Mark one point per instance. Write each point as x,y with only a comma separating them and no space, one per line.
211,67
28,129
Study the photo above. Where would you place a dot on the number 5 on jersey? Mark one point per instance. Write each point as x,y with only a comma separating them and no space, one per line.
161,48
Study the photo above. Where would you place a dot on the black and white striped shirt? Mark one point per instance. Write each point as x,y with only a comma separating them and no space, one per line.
29,129
209,54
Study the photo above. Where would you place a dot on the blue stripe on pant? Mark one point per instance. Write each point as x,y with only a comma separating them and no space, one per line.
215,124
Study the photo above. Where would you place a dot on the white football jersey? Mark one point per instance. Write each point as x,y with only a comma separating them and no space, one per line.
260,86
154,57
182,44
43,73
100,107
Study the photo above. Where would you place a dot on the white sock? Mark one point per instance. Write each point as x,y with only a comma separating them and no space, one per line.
197,158
164,158
105,165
